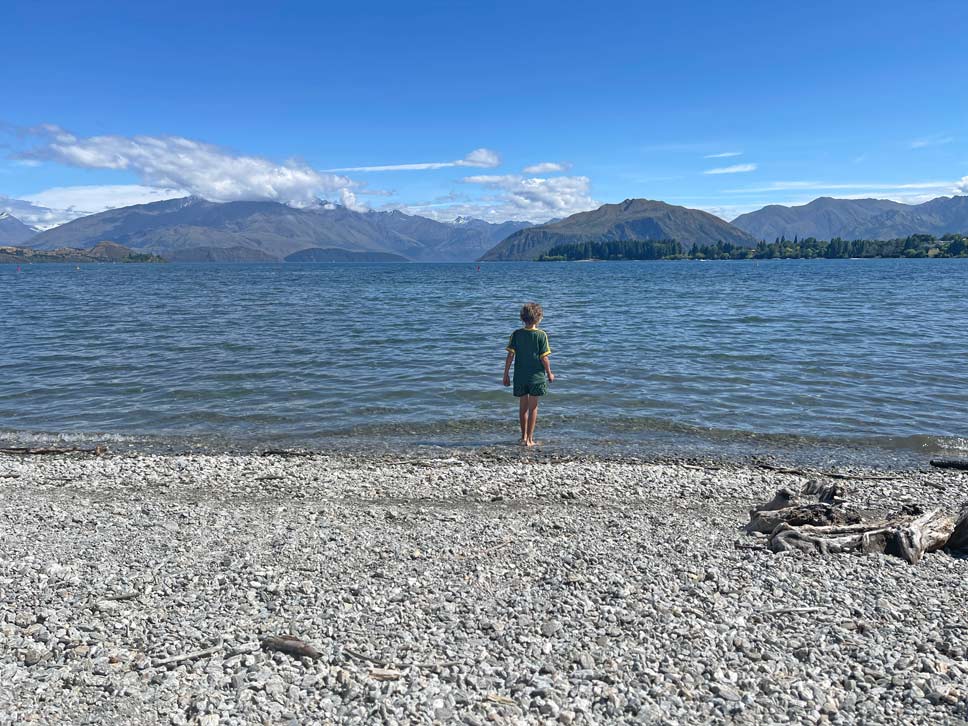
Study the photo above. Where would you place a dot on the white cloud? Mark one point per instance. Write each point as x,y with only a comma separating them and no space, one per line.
92,199
515,197
481,158
546,167
58,205
723,155
197,167
536,198
961,186
348,199
934,140
779,186
484,158
735,169
31,214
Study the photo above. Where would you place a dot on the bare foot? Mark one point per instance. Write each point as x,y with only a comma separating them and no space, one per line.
522,442
529,443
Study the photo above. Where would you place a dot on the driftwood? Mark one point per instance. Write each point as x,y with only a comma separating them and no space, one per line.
290,645
791,610
188,656
826,526
908,538
98,450
130,595
815,504
961,464
814,515
958,541
385,674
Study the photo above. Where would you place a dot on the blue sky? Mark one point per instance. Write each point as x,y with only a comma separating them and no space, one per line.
498,110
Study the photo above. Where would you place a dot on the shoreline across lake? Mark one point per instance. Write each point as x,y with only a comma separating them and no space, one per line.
470,587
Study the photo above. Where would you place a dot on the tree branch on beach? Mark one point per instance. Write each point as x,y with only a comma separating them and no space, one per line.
827,526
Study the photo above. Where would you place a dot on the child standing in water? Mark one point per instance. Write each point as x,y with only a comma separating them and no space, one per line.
529,349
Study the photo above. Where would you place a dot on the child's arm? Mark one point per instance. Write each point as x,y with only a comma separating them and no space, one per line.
507,368
547,366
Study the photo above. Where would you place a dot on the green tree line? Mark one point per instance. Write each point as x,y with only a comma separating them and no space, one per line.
614,250
916,245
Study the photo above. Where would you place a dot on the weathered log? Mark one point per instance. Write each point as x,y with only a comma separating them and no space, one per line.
950,464
958,541
814,515
822,541
907,538
927,533
816,491
825,527
813,504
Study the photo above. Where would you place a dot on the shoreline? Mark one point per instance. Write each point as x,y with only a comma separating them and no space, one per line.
690,445
457,588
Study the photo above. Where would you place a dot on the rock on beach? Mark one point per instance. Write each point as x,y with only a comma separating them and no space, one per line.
471,588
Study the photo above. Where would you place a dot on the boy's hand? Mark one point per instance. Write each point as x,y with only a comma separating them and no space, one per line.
551,377
507,380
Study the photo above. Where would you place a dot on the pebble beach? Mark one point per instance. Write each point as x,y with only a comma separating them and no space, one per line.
480,587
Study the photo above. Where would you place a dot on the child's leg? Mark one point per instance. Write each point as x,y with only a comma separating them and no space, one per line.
523,408
532,417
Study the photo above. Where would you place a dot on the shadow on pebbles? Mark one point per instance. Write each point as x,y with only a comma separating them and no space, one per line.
475,589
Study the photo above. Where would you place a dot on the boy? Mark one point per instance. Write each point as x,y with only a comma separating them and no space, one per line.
529,349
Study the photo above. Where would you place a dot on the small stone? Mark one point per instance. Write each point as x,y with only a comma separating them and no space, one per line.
727,693
33,655
550,628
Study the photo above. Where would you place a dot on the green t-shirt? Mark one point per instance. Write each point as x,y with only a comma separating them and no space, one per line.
529,347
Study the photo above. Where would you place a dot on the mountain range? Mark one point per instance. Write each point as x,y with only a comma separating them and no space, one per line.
826,218
195,229
633,219
13,231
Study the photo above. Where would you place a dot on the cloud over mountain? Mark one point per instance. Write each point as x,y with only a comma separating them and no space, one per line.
199,168
523,197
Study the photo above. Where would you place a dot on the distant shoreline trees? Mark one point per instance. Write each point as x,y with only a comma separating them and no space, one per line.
913,246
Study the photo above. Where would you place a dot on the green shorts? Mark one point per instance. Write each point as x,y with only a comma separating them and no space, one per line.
530,389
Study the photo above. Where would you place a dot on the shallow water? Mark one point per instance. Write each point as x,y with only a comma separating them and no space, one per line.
662,355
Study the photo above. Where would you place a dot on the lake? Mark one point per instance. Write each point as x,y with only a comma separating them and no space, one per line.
669,357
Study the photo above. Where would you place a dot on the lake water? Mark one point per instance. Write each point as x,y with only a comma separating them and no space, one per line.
650,356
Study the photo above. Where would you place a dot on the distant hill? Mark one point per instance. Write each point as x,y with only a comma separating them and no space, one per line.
335,254
219,254
633,219
101,252
13,231
826,218
196,229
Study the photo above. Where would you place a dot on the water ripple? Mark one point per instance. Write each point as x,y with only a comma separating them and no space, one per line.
831,349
